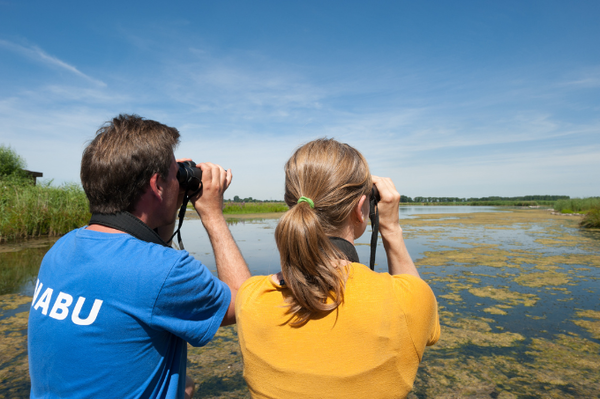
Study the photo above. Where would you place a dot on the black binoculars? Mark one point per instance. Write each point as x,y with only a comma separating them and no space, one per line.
189,176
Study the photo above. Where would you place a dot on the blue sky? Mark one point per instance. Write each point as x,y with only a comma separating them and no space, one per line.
462,98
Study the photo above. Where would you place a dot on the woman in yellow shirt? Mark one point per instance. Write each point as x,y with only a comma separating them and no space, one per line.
327,326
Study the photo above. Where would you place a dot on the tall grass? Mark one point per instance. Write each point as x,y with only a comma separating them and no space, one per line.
29,211
240,208
591,220
577,205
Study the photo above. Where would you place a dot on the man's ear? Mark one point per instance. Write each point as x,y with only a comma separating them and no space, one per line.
358,209
156,186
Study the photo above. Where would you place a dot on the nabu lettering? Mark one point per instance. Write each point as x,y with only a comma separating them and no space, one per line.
61,306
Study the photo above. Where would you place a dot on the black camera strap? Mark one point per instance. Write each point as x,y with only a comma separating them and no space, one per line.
181,215
374,216
128,223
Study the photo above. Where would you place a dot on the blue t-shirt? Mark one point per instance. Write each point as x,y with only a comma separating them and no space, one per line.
111,316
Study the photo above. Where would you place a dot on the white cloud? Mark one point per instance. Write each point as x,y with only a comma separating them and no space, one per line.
37,54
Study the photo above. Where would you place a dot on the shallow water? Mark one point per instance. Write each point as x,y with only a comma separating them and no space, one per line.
517,293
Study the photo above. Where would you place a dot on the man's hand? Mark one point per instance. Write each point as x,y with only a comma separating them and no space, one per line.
215,180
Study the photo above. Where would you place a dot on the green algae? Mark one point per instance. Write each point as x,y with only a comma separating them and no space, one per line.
452,297
459,367
12,301
217,367
495,310
503,294
592,326
542,279
463,374
14,368
458,332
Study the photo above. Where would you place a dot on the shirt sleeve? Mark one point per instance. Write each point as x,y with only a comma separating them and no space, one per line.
192,302
420,308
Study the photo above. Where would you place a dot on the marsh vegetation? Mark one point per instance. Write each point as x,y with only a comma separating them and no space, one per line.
577,205
590,207
242,208
28,210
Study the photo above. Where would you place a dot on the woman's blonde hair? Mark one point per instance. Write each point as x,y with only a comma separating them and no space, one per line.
334,176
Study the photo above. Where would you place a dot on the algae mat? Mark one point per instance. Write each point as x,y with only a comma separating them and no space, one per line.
518,299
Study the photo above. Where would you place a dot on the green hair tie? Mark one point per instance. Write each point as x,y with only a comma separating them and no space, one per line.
305,199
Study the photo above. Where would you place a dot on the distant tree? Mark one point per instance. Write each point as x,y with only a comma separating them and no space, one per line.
11,164
236,199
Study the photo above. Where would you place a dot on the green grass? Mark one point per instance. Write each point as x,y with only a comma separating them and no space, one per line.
240,208
577,205
591,220
30,211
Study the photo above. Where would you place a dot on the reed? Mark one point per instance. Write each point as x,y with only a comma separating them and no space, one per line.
241,208
28,210
591,220
576,205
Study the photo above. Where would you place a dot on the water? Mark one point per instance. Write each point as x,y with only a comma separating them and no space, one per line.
517,293
409,212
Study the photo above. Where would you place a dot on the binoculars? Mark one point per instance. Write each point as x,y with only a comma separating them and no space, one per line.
189,176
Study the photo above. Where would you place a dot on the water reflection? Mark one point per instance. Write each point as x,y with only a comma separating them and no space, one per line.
19,264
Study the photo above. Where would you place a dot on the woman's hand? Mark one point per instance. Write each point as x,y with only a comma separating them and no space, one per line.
399,261
388,205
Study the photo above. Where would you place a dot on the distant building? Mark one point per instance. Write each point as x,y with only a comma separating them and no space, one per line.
34,175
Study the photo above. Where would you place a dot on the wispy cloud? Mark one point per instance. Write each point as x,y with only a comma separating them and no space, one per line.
248,111
588,78
37,54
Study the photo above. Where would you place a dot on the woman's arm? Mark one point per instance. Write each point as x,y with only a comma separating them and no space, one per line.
399,260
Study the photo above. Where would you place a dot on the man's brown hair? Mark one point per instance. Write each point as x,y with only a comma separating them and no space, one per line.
117,165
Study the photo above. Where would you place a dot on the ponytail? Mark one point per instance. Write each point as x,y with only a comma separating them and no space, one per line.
308,264
325,180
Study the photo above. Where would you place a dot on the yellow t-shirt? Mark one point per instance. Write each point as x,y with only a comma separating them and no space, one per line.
370,347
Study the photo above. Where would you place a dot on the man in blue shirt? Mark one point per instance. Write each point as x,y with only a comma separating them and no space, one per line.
114,306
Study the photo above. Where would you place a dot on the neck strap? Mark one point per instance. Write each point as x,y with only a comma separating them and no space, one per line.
128,223
346,247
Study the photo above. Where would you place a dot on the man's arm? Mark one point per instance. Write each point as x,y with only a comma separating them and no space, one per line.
231,266
399,260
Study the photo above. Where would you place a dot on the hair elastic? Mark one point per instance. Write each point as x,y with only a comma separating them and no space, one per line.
306,199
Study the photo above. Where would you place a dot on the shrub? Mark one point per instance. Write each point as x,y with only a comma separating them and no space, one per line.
592,219
11,164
